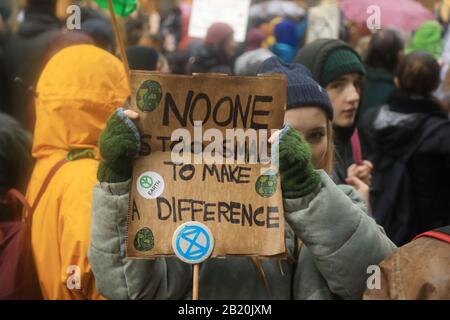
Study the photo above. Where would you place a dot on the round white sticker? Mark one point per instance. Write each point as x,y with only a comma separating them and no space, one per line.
150,185
192,242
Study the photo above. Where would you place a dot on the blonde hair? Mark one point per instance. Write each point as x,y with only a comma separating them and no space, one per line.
327,162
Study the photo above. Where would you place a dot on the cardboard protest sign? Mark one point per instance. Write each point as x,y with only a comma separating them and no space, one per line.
240,205
206,12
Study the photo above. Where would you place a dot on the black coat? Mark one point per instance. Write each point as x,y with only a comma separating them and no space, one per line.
23,58
211,59
400,128
16,161
4,85
343,158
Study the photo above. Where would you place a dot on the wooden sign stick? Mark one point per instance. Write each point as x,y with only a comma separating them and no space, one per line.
119,40
195,281
184,239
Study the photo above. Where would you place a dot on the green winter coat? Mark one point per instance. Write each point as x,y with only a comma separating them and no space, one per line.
379,84
339,240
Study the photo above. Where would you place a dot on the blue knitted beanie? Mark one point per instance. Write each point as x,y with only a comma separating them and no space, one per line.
302,90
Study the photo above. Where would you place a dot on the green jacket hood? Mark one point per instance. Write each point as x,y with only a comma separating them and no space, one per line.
315,54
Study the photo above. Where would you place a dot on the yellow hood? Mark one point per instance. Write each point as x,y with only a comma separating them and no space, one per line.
78,90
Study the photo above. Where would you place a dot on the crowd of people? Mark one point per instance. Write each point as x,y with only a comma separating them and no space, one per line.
364,155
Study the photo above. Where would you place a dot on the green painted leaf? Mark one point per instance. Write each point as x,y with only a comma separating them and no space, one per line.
121,7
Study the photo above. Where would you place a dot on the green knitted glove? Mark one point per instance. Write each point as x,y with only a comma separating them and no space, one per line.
119,143
298,177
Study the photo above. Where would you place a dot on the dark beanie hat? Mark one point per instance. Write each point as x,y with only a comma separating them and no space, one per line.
302,90
340,62
5,9
328,59
142,58
41,6
101,31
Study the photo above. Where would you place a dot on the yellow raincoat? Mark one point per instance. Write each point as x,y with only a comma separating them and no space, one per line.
78,90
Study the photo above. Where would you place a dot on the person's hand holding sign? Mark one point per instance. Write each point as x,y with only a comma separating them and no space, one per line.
298,177
119,144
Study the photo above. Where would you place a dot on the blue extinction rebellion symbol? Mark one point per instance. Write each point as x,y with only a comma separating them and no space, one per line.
193,242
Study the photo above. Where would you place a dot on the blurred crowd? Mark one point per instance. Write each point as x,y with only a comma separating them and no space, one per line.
388,91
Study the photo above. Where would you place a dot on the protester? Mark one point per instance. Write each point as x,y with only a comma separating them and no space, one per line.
64,40
5,12
258,27
443,91
218,51
287,41
254,39
364,157
269,28
186,7
17,276
172,28
411,152
427,38
15,161
98,27
56,44
77,91
384,52
331,221
383,55
302,27
248,63
338,68
444,60
134,31
24,53
137,36
142,58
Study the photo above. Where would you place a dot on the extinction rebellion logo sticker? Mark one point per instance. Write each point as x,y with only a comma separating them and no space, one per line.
150,185
149,96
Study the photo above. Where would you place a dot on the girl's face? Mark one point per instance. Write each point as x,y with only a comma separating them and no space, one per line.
311,122
344,93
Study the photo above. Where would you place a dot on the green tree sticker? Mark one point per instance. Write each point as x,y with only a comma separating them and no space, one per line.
144,240
266,185
149,96
146,182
